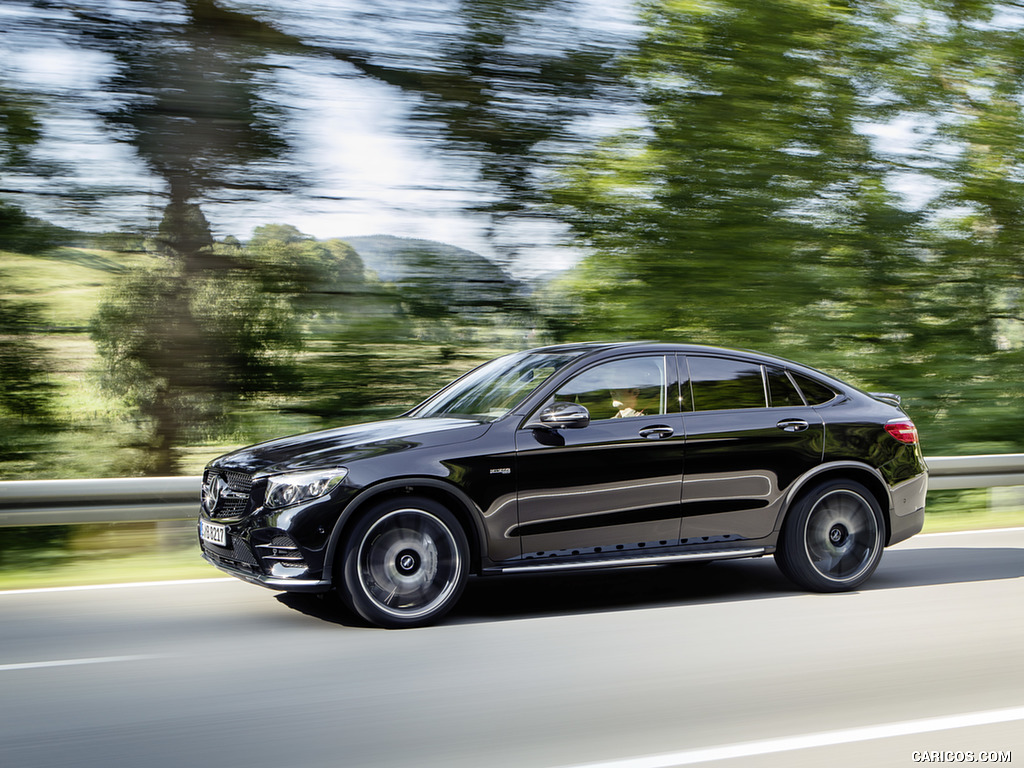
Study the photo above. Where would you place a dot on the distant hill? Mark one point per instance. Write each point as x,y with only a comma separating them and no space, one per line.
440,277
402,258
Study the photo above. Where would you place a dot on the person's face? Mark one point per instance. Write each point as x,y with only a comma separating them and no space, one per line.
625,398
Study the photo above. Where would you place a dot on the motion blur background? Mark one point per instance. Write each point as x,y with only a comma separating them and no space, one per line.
226,221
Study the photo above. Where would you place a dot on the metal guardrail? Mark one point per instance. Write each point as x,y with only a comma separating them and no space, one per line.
959,472
143,499
68,502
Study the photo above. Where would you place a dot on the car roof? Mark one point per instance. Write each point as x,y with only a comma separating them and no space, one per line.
658,346
598,349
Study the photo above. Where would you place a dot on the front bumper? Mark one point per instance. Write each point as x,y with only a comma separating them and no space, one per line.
264,555
285,584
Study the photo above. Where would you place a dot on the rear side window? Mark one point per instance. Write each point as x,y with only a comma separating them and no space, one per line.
782,390
719,383
815,392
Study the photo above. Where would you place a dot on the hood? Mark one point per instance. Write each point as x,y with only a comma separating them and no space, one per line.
338,447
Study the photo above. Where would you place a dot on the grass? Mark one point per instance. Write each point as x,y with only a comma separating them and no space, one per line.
166,566
114,553
68,282
943,522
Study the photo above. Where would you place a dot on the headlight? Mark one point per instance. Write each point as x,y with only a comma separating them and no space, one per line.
297,487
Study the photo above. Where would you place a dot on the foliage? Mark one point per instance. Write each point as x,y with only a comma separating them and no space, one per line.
26,545
751,206
21,233
23,374
725,210
283,323
20,128
191,89
182,347
746,196
26,389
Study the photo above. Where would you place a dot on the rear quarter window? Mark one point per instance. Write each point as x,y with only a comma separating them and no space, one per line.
782,390
814,391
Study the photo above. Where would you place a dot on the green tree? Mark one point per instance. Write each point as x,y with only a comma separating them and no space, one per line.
182,348
956,71
191,335
720,213
25,388
751,207
982,264
190,97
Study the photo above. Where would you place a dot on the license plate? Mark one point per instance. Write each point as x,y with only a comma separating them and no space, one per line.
213,533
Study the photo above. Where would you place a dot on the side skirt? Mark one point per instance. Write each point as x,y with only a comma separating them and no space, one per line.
588,562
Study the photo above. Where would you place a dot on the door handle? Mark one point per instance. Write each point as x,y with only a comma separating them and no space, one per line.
656,433
793,425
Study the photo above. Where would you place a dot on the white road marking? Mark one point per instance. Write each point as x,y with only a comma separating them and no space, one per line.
73,662
812,740
967,533
128,585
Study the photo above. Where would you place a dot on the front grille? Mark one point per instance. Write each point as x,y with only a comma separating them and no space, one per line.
239,481
230,506
234,499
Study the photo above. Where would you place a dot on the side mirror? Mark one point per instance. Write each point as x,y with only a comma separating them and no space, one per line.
561,415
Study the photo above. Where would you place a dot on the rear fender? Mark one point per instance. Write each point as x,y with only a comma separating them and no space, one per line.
850,470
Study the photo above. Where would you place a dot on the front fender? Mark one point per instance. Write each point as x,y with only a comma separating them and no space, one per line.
468,513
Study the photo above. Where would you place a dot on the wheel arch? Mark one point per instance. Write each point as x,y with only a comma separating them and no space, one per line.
864,474
444,493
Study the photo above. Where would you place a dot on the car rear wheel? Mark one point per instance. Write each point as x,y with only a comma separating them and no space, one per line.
405,563
833,537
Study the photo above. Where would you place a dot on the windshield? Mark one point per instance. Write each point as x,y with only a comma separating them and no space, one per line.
495,388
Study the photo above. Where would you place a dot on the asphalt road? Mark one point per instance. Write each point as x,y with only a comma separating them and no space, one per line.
724,665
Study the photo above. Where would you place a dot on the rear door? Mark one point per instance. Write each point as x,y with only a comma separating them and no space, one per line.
749,435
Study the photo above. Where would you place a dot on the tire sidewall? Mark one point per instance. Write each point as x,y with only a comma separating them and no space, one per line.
792,556
351,586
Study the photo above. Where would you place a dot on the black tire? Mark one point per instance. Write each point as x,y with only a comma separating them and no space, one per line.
833,537
405,563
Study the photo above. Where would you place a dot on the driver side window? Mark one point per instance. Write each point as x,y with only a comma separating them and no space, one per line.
619,389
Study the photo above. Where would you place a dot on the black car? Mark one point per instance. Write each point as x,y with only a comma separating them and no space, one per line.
570,457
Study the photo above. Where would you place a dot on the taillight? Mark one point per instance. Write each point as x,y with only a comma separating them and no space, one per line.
903,430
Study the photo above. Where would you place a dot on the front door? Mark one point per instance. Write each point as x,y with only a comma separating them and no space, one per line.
615,484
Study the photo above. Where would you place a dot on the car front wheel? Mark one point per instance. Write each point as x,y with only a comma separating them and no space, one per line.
833,537
405,563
